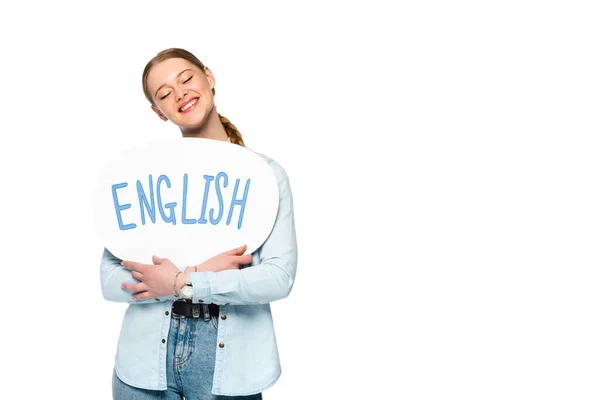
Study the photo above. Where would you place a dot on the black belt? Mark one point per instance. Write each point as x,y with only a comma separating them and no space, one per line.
185,308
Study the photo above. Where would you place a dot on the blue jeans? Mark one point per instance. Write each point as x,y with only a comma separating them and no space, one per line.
191,349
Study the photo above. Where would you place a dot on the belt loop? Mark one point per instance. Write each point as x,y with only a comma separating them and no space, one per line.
206,312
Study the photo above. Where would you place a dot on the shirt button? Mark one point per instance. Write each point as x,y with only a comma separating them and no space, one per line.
163,340
223,317
166,313
221,345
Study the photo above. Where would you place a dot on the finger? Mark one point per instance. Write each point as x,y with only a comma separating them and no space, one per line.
237,251
245,259
142,296
135,266
157,260
134,287
137,275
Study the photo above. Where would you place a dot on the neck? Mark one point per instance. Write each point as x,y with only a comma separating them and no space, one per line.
211,129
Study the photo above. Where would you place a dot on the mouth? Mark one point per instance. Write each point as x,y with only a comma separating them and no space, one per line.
188,105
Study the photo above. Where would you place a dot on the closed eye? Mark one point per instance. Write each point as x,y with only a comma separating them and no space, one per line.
188,79
165,96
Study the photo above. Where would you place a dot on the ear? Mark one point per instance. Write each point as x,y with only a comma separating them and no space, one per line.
160,114
210,77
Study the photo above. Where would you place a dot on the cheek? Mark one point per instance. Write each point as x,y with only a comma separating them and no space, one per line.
204,89
207,95
170,110
161,107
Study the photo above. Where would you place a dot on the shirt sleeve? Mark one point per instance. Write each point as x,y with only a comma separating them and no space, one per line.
272,274
113,274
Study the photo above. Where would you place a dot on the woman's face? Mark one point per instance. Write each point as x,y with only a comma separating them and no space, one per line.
181,92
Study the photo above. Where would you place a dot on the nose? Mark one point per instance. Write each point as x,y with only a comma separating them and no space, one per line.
180,93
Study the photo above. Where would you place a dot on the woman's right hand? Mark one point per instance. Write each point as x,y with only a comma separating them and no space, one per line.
231,259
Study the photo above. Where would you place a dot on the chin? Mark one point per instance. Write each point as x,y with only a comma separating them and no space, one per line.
193,125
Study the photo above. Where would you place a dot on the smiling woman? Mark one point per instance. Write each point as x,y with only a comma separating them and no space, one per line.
184,94
199,331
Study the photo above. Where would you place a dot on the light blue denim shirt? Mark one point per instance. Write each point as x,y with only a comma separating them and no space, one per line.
248,362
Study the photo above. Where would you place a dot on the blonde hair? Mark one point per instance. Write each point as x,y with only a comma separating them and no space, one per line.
232,132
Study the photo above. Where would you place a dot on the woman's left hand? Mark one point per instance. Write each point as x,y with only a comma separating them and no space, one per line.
156,280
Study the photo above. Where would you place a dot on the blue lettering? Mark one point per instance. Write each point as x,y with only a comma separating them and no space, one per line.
241,202
202,219
170,206
184,203
213,220
119,207
151,209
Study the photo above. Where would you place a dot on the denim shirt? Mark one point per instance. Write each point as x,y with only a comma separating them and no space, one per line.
247,359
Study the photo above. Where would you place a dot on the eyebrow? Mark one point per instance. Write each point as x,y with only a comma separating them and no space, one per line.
164,84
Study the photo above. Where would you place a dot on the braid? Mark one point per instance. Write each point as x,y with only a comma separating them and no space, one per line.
232,132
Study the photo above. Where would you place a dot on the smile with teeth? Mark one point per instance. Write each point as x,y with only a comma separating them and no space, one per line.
189,106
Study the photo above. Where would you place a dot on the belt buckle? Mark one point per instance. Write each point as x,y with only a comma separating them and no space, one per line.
174,314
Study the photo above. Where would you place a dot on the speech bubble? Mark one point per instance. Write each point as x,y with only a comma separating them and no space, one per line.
186,199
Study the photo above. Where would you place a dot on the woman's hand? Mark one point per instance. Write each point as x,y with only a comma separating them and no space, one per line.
156,280
231,259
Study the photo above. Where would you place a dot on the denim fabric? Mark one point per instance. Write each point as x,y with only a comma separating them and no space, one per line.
248,360
190,365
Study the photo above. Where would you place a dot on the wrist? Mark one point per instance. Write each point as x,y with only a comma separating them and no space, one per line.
192,268
197,268
180,279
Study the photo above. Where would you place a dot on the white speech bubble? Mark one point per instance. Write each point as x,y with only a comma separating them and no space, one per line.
186,199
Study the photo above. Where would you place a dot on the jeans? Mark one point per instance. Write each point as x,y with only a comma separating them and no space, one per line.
191,351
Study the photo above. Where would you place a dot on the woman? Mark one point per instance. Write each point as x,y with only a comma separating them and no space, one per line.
204,331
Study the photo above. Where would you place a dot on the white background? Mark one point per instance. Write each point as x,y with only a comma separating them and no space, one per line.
443,158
